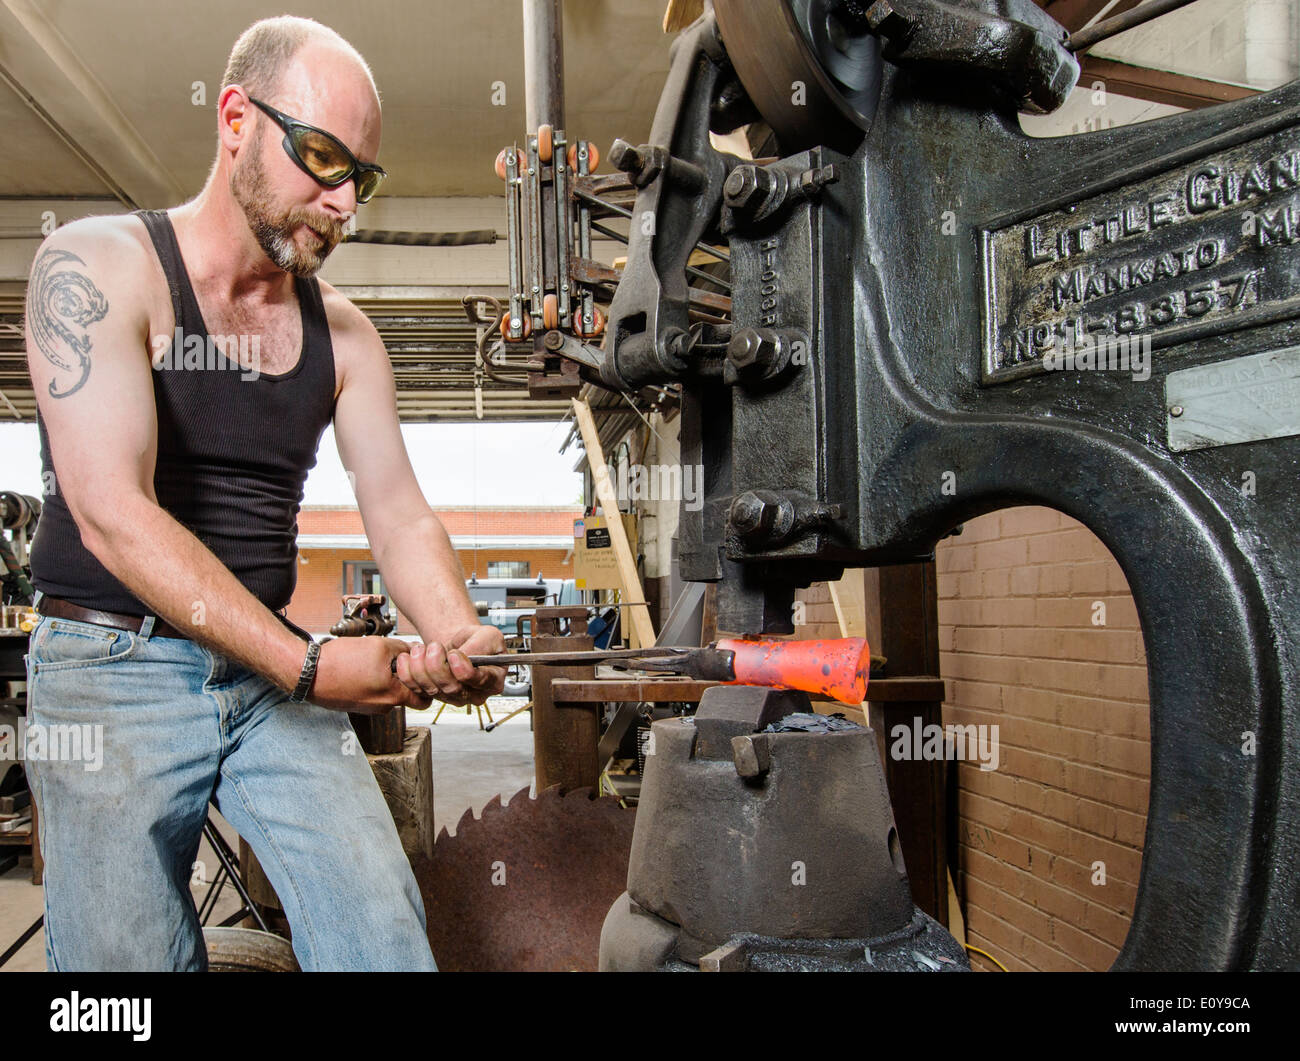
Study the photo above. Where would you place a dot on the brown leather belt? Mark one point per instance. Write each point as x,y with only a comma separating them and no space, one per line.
56,608
61,609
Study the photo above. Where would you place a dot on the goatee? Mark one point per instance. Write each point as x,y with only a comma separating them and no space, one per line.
273,231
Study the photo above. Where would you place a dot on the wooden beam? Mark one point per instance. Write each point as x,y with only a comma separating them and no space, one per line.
681,13
909,638
1159,86
689,690
638,612
650,690
850,607
1075,14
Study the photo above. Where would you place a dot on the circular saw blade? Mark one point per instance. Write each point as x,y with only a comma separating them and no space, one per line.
526,886
814,77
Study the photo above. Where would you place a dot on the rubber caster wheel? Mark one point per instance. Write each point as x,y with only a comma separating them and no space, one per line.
596,327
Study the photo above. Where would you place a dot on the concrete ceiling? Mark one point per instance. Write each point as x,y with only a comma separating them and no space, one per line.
119,80
101,101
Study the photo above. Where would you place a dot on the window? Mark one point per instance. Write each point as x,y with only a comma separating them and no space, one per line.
362,577
508,569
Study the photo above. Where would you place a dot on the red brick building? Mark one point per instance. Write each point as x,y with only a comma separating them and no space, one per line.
334,556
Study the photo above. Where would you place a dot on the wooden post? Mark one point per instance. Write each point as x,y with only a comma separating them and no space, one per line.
566,738
681,13
638,613
909,637
381,734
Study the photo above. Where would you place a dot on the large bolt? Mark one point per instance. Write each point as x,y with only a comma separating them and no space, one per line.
749,188
752,348
741,188
751,515
812,181
884,20
624,156
762,517
677,343
755,354
644,164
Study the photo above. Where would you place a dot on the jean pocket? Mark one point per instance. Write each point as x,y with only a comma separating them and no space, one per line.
62,644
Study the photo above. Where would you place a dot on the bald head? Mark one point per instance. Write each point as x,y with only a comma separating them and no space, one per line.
265,51
313,76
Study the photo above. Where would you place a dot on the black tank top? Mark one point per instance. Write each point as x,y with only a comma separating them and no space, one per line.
234,449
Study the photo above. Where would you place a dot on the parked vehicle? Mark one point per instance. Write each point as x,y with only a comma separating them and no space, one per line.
501,602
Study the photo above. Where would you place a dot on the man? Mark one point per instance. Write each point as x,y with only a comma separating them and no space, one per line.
166,546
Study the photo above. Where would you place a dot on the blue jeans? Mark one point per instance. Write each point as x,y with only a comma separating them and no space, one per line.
162,727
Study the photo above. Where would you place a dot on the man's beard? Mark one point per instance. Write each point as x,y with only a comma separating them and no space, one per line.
275,232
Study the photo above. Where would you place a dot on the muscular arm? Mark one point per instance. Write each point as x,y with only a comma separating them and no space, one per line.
88,355
409,543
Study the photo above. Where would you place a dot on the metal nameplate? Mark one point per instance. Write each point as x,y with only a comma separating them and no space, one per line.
1247,399
1201,248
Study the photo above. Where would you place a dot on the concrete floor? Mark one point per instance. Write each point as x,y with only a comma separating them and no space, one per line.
469,768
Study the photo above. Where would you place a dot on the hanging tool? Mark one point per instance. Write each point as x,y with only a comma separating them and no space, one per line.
835,668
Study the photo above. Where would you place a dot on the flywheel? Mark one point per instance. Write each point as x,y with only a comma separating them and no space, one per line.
810,67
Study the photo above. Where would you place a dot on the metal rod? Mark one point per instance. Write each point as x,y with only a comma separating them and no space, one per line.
21,941
509,659
213,893
584,234
722,256
514,249
543,105
700,274
543,64
563,227
423,239
500,722
596,226
230,863
596,656
1086,38
622,212
598,201
532,194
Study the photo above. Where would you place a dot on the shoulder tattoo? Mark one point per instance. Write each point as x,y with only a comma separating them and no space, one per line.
63,302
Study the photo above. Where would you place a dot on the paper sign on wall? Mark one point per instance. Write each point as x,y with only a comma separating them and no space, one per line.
594,566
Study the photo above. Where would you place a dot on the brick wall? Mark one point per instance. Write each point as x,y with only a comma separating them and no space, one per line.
818,613
1019,648
1018,593
316,602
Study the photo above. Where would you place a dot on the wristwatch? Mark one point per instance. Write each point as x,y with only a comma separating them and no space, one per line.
299,694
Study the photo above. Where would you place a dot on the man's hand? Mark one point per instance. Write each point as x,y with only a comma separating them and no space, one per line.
355,674
444,672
